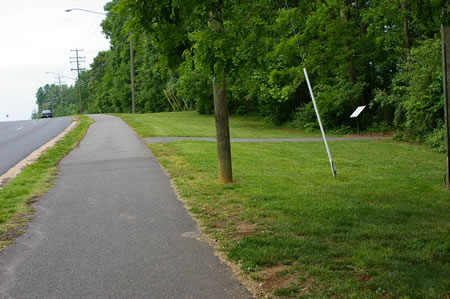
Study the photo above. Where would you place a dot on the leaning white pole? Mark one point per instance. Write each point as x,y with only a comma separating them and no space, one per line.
333,169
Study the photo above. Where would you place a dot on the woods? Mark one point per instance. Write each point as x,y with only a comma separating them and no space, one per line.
384,54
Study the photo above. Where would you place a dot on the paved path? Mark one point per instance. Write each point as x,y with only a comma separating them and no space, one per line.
170,139
113,227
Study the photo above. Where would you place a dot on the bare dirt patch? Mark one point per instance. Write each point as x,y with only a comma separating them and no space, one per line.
15,228
273,280
245,229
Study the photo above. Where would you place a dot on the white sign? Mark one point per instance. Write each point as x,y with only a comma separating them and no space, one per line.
357,111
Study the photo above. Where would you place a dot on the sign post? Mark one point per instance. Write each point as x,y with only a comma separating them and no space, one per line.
356,114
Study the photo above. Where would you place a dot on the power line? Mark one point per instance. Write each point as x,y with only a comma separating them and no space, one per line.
295,34
131,53
78,59
60,91
102,67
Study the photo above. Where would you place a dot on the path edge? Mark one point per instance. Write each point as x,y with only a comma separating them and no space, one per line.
253,287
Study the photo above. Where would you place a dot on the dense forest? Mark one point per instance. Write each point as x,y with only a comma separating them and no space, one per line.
385,54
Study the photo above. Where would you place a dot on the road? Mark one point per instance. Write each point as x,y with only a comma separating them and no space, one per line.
112,227
19,138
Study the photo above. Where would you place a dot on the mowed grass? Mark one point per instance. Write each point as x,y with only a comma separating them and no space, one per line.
33,181
193,124
381,230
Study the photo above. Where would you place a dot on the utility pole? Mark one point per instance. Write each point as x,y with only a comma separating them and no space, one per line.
78,59
133,97
60,90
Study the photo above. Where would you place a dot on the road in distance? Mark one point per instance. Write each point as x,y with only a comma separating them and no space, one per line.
20,138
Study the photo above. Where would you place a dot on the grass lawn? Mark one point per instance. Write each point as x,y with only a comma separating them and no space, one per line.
32,182
193,124
381,230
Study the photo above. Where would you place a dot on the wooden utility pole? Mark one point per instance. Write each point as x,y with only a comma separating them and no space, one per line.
78,60
133,97
221,113
60,91
446,75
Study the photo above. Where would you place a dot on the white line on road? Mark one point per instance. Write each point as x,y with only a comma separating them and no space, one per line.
19,128
15,170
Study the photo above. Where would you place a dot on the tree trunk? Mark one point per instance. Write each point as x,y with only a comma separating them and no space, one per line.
221,113
367,93
446,75
345,16
222,131
405,25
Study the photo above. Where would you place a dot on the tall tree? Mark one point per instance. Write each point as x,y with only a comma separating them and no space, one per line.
176,26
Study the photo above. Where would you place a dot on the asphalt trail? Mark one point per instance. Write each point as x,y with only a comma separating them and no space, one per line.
113,227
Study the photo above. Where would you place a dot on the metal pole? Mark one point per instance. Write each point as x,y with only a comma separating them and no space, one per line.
133,98
333,169
357,126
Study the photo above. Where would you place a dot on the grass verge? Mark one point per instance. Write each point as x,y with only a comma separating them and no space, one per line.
33,181
380,230
193,124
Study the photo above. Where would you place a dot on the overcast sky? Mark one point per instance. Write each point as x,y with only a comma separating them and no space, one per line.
36,37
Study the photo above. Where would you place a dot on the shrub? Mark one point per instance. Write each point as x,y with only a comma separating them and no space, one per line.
415,96
436,140
195,88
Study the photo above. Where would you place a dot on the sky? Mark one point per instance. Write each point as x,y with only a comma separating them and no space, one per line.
37,37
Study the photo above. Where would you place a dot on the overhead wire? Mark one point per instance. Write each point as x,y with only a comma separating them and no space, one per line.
295,34
102,67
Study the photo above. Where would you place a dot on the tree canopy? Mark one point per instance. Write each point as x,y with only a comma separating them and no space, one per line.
382,53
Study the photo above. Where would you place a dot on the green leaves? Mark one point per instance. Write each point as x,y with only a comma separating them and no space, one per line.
416,94
355,53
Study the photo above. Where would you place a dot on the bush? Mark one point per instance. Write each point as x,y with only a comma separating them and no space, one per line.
305,118
195,87
335,104
436,140
383,127
415,96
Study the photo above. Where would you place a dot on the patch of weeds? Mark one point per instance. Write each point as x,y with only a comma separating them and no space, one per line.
256,277
284,272
290,291
248,267
265,249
